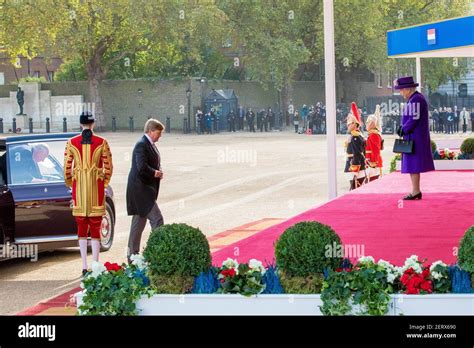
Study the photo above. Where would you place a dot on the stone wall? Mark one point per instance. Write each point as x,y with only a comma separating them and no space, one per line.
143,98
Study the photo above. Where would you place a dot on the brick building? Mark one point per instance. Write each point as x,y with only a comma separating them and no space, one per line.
23,67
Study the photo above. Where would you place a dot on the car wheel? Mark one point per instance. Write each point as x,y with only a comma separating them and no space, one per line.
107,228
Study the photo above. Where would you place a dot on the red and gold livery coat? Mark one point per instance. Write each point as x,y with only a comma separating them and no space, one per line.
373,148
87,170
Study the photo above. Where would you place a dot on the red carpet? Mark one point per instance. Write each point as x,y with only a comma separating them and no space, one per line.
371,218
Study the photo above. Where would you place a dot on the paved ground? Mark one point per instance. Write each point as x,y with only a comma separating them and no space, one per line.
214,182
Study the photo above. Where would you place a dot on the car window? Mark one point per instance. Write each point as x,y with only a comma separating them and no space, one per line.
36,162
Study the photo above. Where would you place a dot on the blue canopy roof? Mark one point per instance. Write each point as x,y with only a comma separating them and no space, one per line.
447,38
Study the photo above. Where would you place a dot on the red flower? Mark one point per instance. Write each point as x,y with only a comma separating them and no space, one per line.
338,269
112,266
228,272
426,273
426,285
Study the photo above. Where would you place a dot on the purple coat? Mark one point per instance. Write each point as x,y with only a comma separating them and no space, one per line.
416,127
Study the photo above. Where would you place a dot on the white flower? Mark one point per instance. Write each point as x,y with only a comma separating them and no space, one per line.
97,269
230,263
436,263
412,262
256,265
366,259
385,264
436,275
392,271
139,261
391,277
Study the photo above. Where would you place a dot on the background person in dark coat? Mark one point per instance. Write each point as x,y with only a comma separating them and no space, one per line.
415,127
144,185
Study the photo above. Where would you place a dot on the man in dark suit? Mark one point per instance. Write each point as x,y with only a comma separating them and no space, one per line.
144,185
24,161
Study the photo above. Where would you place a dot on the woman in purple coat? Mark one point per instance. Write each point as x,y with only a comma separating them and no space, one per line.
415,126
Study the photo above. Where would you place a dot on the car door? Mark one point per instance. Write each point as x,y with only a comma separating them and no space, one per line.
7,212
42,200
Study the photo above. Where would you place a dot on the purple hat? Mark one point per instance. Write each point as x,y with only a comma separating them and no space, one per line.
405,82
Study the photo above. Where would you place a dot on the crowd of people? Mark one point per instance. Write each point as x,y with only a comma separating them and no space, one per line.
451,120
242,119
312,119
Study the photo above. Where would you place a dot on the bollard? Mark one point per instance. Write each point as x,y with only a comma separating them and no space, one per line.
1,125
185,124
130,124
31,125
64,125
48,128
168,125
14,125
114,124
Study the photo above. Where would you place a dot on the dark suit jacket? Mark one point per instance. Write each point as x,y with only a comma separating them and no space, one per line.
22,166
142,186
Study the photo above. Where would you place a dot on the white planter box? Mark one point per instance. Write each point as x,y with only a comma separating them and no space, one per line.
226,304
285,304
435,304
448,165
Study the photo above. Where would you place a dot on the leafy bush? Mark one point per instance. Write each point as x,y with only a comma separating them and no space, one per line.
311,284
172,284
177,249
393,162
244,278
363,290
111,289
467,146
301,249
466,251
40,79
433,146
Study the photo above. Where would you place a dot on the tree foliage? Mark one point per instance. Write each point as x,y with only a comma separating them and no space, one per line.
271,39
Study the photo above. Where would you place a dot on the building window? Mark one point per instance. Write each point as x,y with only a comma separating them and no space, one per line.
51,76
2,78
389,80
36,74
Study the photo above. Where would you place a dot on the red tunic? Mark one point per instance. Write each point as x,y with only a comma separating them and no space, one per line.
87,170
373,148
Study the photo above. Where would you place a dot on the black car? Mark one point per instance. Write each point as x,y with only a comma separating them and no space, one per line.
38,211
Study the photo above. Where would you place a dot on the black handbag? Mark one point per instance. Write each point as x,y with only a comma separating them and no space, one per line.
403,146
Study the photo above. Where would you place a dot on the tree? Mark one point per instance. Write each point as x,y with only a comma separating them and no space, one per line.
102,33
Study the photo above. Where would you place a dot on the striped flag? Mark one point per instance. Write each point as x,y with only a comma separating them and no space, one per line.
431,36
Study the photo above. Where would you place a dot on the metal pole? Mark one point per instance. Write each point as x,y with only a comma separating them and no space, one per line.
418,72
330,83
14,125
1,125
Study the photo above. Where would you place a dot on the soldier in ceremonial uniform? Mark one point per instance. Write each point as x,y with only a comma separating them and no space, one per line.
87,170
355,149
374,145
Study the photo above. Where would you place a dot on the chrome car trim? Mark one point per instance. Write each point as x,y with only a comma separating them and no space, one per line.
45,239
